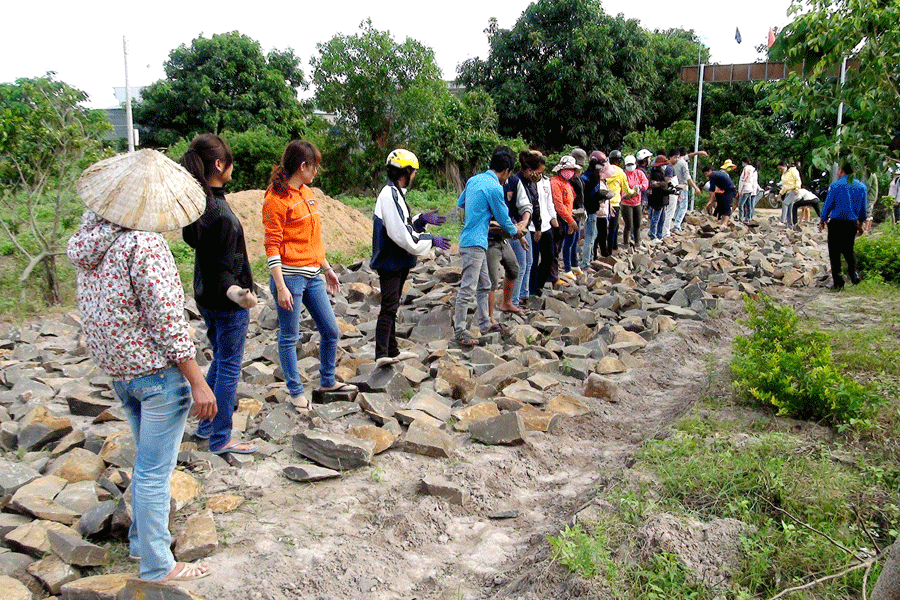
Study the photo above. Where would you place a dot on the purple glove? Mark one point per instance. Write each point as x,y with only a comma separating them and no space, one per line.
441,242
432,218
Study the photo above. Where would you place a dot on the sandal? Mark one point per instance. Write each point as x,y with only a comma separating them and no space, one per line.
467,341
300,402
496,328
187,572
236,448
340,386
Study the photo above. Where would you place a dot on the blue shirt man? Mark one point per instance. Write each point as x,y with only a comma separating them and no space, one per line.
844,213
482,199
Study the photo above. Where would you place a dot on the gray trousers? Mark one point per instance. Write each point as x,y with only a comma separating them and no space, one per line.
475,282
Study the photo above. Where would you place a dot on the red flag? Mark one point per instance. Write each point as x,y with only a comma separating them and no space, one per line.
771,37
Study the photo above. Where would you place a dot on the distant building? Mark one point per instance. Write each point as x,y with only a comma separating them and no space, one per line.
116,114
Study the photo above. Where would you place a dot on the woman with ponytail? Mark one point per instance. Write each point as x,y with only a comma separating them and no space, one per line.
296,258
223,285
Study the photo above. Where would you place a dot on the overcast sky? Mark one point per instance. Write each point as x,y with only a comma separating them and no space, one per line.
82,41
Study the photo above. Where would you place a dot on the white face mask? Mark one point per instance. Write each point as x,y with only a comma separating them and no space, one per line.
629,167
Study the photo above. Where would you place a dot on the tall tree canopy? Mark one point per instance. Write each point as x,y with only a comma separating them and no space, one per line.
223,82
822,34
377,87
567,72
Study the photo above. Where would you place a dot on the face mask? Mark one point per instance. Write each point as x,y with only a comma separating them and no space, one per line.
629,168
566,173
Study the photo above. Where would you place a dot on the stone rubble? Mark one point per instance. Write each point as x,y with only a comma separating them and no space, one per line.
66,472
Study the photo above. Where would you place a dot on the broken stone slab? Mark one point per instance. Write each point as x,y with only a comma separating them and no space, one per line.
78,465
72,440
476,412
320,396
185,488
96,520
535,419
378,406
76,551
458,377
334,450
13,589
408,416
601,387
13,475
609,365
503,514
97,587
425,439
429,402
579,368
44,508
442,488
383,438
523,391
116,413
83,405
47,487
119,449
506,428
309,473
241,461
138,589
502,375
335,410
198,539
9,521
32,537
224,503
39,427
278,423
568,405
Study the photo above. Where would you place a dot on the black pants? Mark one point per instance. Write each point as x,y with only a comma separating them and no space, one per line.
600,242
841,236
543,259
385,328
632,217
799,203
612,234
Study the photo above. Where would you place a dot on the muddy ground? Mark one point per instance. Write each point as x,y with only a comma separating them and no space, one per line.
372,534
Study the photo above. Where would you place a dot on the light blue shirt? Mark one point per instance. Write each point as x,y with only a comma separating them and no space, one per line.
845,201
483,199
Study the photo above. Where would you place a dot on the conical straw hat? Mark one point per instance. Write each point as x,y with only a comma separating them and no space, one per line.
142,190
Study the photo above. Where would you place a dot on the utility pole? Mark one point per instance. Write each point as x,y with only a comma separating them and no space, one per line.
697,129
129,124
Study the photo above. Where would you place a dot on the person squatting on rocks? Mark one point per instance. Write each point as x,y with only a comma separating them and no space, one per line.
631,204
132,305
567,235
521,201
482,200
223,284
397,239
296,259
844,213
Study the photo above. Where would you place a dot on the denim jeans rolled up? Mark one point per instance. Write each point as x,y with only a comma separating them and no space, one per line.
475,281
226,331
157,407
310,293
590,234
523,257
680,210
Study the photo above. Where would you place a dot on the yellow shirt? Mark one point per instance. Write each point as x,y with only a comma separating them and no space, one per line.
618,183
790,180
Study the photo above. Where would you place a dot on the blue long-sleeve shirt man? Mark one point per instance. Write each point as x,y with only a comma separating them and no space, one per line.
482,199
846,201
845,213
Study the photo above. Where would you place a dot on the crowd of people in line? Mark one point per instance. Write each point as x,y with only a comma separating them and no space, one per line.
517,223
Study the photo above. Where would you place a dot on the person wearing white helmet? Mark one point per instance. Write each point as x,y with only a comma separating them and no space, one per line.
397,239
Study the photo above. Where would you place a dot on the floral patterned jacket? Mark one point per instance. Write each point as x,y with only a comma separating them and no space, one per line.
130,298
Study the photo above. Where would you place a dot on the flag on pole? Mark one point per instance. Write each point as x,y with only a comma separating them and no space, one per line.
737,35
771,37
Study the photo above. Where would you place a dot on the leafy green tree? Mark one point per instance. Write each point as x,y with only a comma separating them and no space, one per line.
223,82
822,34
377,87
567,72
46,139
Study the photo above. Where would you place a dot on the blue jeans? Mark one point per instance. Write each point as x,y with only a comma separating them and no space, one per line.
590,234
476,282
523,257
680,209
157,407
747,207
311,294
657,220
227,332
570,250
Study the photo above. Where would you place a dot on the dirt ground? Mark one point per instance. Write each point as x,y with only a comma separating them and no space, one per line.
372,534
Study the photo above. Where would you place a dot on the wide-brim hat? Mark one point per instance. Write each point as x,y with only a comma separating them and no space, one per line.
660,160
142,190
566,162
728,165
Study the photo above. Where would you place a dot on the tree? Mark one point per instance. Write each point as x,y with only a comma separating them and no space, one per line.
378,88
568,73
224,82
822,34
46,139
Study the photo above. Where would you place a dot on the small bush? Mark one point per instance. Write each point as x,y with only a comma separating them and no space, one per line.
780,365
880,253
582,553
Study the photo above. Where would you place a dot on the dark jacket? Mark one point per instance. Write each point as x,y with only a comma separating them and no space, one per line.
220,259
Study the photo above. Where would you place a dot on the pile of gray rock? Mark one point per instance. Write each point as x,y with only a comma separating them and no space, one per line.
66,468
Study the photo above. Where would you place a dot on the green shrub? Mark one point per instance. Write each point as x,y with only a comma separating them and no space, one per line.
880,253
780,365
583,553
